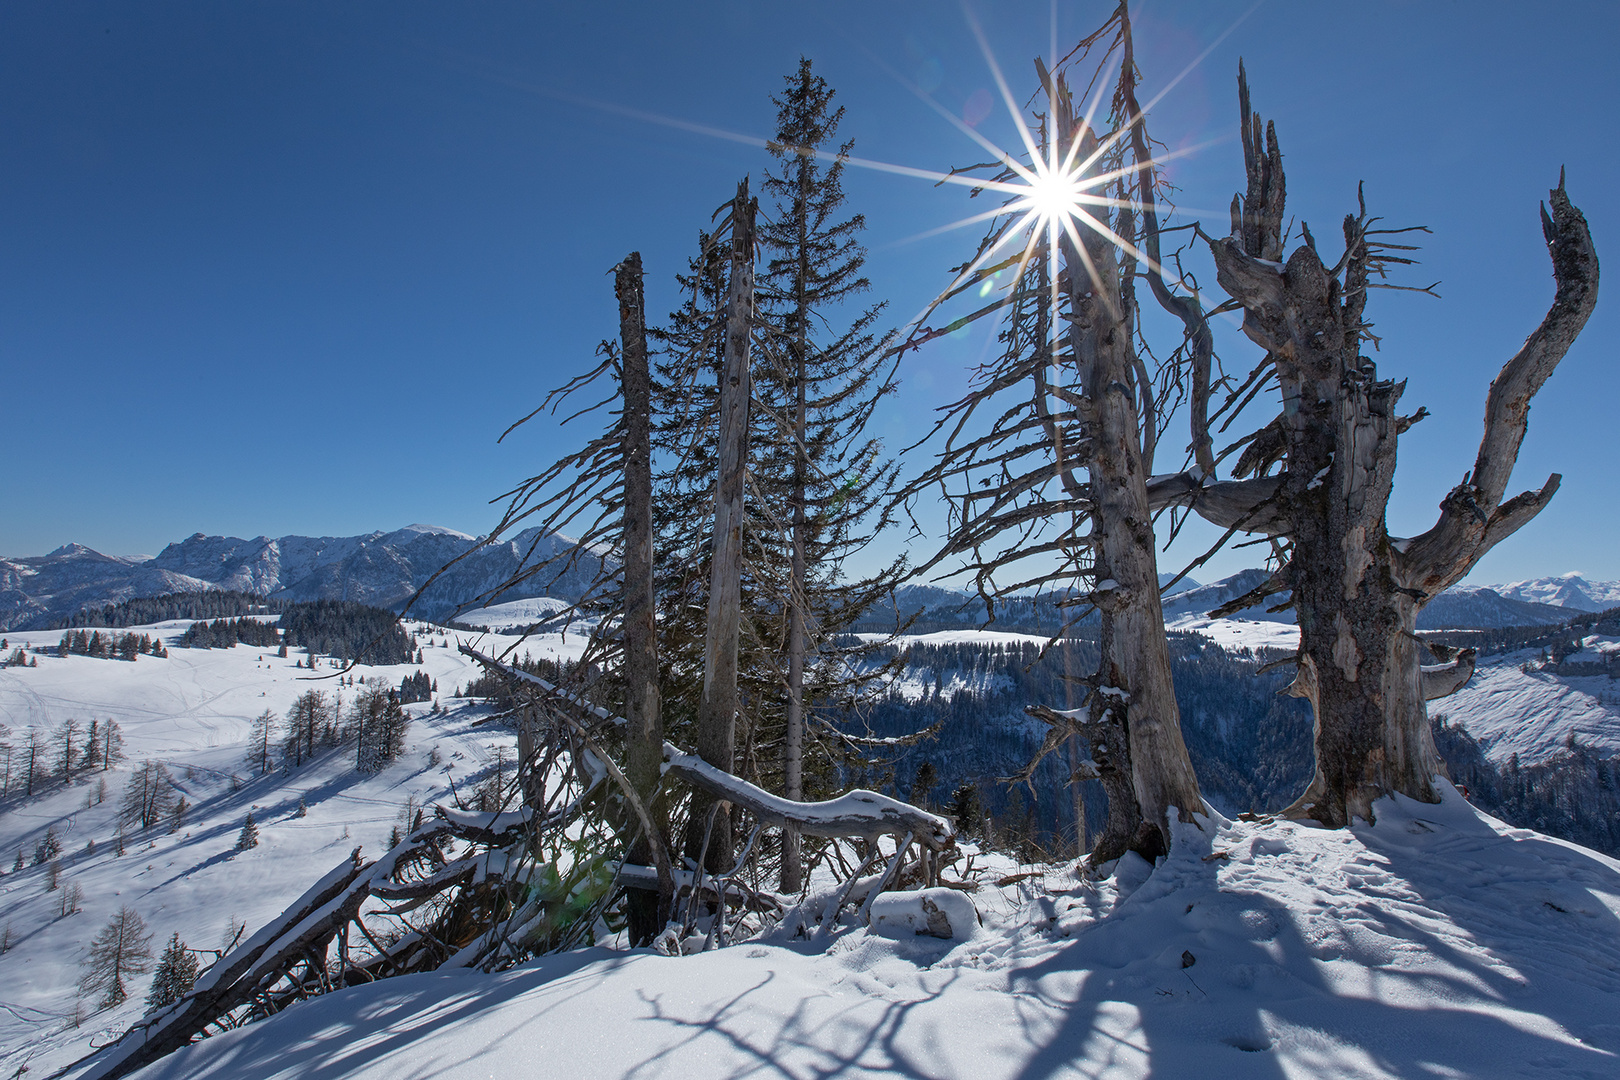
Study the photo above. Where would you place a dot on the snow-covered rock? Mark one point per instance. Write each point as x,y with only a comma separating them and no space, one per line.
940,913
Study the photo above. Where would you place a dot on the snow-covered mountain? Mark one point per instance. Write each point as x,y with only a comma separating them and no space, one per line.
383,569
1566,590
1466,606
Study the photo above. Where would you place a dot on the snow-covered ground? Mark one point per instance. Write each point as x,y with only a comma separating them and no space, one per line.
514,613
1439,943
193,712
1235,634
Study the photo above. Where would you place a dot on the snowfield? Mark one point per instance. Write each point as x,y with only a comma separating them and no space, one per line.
1437,943
1533,713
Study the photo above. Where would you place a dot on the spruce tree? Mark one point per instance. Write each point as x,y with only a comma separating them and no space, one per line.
823,481
249,836
174,976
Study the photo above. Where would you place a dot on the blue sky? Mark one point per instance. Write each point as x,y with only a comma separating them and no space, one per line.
291,268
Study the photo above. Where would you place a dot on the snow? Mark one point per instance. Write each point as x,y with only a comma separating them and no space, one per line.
1533,713
1437,943
515,614
193,712
1440,943
1234,634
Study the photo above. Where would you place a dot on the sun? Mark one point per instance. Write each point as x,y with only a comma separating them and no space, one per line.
1052,195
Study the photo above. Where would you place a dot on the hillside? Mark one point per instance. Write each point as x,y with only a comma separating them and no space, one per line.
1324,954
193,713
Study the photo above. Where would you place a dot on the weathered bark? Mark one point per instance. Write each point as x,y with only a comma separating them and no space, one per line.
1355,589
644,730
792,878
717,709
1135,655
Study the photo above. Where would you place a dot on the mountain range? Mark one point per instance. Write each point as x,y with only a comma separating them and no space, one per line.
386,569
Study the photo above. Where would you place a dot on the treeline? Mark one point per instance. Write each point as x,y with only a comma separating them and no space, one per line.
497,691
1251,747
223,633
350,631
1575,796
109,646
1556,641
143,611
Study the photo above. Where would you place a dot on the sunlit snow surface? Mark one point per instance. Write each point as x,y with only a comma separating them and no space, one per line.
1439,943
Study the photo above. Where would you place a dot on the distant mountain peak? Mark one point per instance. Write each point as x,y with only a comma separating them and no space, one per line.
1569,590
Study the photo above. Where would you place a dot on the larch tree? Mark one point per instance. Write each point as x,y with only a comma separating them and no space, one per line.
819,379
122,948
148,797
1319,476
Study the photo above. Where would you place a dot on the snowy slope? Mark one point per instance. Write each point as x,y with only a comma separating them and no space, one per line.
514,614
1534,712
1439,943
192,711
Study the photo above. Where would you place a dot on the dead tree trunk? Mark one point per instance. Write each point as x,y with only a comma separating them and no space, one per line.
1133,679
1356,589
717,709
644,729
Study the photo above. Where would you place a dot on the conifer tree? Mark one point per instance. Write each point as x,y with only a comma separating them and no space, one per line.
48,848
174,976
823,481
260,735
249,836
148,798
91,757
123,948
306,720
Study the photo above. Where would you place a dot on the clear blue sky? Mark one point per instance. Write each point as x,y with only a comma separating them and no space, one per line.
272,268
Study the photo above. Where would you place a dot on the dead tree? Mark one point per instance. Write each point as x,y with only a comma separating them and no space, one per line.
1052,490
708,829
644,727
1356,589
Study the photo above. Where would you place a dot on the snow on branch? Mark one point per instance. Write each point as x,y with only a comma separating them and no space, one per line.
855,813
